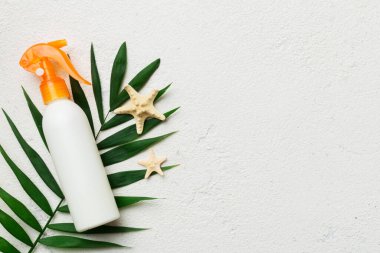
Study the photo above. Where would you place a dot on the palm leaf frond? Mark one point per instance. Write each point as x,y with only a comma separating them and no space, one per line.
137,83
129,133
29,187
6,247
61,241
81,100
96,86
36,160
70,228
129,150
119,68
121,201
116,120
124,178
37,116
20,210
14,228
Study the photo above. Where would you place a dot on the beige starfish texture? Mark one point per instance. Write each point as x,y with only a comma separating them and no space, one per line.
140,107
153,164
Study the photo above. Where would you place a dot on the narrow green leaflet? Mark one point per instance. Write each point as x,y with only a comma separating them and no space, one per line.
70,228
29,187
129,150
124,178
20,210
162,92
14,228
122,118
137,83
36,160
61,241
121,201
118,72
80,99
96,86
116,120
64,209
37,116
129,133
6,247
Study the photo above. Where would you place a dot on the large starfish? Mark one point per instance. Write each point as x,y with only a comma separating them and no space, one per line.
140,107
153,164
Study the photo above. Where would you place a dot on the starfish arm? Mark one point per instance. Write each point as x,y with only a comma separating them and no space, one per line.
139,124
159,171
147,174
125,109
156,114
152,95
131,92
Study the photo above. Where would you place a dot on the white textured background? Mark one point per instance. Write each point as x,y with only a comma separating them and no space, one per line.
279,127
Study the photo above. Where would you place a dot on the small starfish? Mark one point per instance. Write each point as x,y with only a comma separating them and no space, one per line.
140,107
153,164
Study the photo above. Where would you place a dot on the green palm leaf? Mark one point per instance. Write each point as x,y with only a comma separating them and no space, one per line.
124,178
6,247
70,228
116,120
61,241
137,83
96,86
118,72
122,118
29,187
20,210
129,133
129,150
80,99
14,228
36,160
37,116
121,201
162,92
64,209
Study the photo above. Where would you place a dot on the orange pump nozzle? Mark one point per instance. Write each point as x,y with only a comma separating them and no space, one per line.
37,60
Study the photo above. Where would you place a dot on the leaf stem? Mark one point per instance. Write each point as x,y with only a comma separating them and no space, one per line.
45,227
100,129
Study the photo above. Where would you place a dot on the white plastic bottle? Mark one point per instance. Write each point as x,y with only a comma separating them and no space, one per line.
71,143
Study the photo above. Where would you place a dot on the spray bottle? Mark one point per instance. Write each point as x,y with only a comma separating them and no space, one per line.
71,143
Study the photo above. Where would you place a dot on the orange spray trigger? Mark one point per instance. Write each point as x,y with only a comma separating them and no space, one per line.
58,43
37,59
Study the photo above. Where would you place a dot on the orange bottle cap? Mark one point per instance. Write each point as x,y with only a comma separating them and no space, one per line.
37,59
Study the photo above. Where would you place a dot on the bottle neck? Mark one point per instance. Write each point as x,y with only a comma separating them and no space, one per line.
52,87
